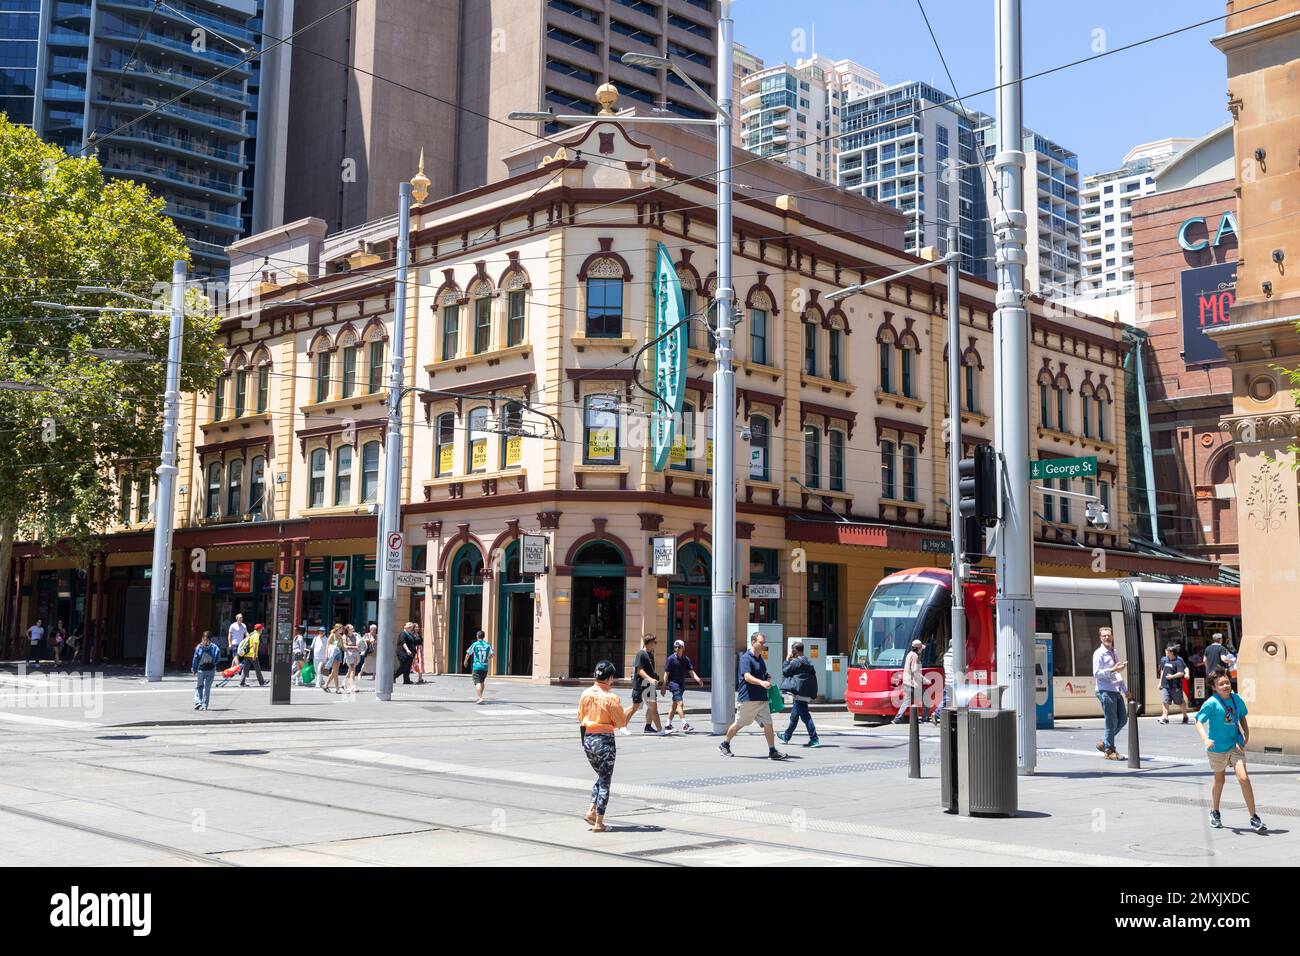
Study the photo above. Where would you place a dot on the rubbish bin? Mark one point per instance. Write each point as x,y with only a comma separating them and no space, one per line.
948,759
835,680
987,784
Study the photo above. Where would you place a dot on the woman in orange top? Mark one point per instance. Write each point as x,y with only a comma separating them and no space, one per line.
600,714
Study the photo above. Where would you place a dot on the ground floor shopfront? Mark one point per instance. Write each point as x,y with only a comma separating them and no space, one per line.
598,595
594,602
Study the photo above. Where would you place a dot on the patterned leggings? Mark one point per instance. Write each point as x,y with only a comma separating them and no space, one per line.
600,754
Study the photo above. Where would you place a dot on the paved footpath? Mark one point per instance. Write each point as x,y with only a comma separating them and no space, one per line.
111,770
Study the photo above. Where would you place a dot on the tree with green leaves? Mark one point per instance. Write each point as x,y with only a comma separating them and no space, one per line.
71,421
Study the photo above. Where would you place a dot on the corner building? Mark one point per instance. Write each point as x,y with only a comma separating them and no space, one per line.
527,302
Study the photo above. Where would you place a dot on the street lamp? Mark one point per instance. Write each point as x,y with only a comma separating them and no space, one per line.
165,505
724,376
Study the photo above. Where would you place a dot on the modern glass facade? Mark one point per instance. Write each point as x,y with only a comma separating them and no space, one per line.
19,43
910,146
115,76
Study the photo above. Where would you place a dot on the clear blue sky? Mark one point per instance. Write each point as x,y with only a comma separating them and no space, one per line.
1172,87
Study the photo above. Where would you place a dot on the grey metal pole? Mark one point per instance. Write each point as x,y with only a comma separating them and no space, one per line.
724,413
164,509
1015,544
955,455
392,507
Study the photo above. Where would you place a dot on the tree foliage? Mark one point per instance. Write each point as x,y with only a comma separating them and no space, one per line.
64,225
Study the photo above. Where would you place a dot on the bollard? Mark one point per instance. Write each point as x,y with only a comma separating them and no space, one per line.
1134,751
913,742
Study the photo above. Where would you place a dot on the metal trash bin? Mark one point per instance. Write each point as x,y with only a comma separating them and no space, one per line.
987,784
948,759
835,678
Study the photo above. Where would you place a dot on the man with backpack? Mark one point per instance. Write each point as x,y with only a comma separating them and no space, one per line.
204,668
248,650
799,679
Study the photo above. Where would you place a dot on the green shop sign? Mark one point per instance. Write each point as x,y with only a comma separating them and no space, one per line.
1047,468
670,358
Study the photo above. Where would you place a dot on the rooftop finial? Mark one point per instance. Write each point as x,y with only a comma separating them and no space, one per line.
420,182
607,97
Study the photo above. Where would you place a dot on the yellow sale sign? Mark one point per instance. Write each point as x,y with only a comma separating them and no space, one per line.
446,459
514,450
478,454
601,444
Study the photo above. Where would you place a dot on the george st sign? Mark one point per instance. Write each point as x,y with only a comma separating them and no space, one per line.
1048,468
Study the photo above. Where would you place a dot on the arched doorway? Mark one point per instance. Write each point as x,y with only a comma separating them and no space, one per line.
514,617
597,626
690,608
466,605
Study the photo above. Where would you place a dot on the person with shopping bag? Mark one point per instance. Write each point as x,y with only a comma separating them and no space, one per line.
752,702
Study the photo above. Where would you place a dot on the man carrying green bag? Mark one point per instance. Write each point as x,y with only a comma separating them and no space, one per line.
754,703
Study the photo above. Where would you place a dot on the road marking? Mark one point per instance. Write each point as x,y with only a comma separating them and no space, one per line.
45,721
743,811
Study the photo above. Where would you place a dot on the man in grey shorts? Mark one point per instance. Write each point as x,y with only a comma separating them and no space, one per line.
752,685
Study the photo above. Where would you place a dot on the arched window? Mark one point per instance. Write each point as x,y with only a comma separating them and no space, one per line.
235,487
1085,421
1102,412
600,430
905,372
478,441
512,443
241,391
1044,405
370,473
909,472
482,317
323,376
972,388
142,488
682,455
1062,410
835,354
349,370
694,329
219,399
809,348
257,486
888,463
450,327
812,457
760,310
263,386
214,490
124,498
759,440
445,440
375,375
316,494
835,449
605,299
343,475
516,309
886,366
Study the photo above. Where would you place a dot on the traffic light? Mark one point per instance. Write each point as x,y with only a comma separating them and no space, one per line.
977,486
972,540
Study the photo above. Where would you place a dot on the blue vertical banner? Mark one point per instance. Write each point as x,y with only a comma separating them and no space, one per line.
670,359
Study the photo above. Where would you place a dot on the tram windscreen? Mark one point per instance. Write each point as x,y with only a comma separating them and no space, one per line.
890,623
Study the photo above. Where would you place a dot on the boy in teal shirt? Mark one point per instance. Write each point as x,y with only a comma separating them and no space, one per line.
1221,722
480,652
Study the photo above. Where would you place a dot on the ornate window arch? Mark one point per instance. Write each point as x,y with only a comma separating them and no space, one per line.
604,275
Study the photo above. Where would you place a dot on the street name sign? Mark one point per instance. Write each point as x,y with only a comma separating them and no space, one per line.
1047,468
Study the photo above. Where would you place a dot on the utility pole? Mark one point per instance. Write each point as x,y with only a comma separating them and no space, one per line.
164,510
392,507
724,411
955,454
1015,543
